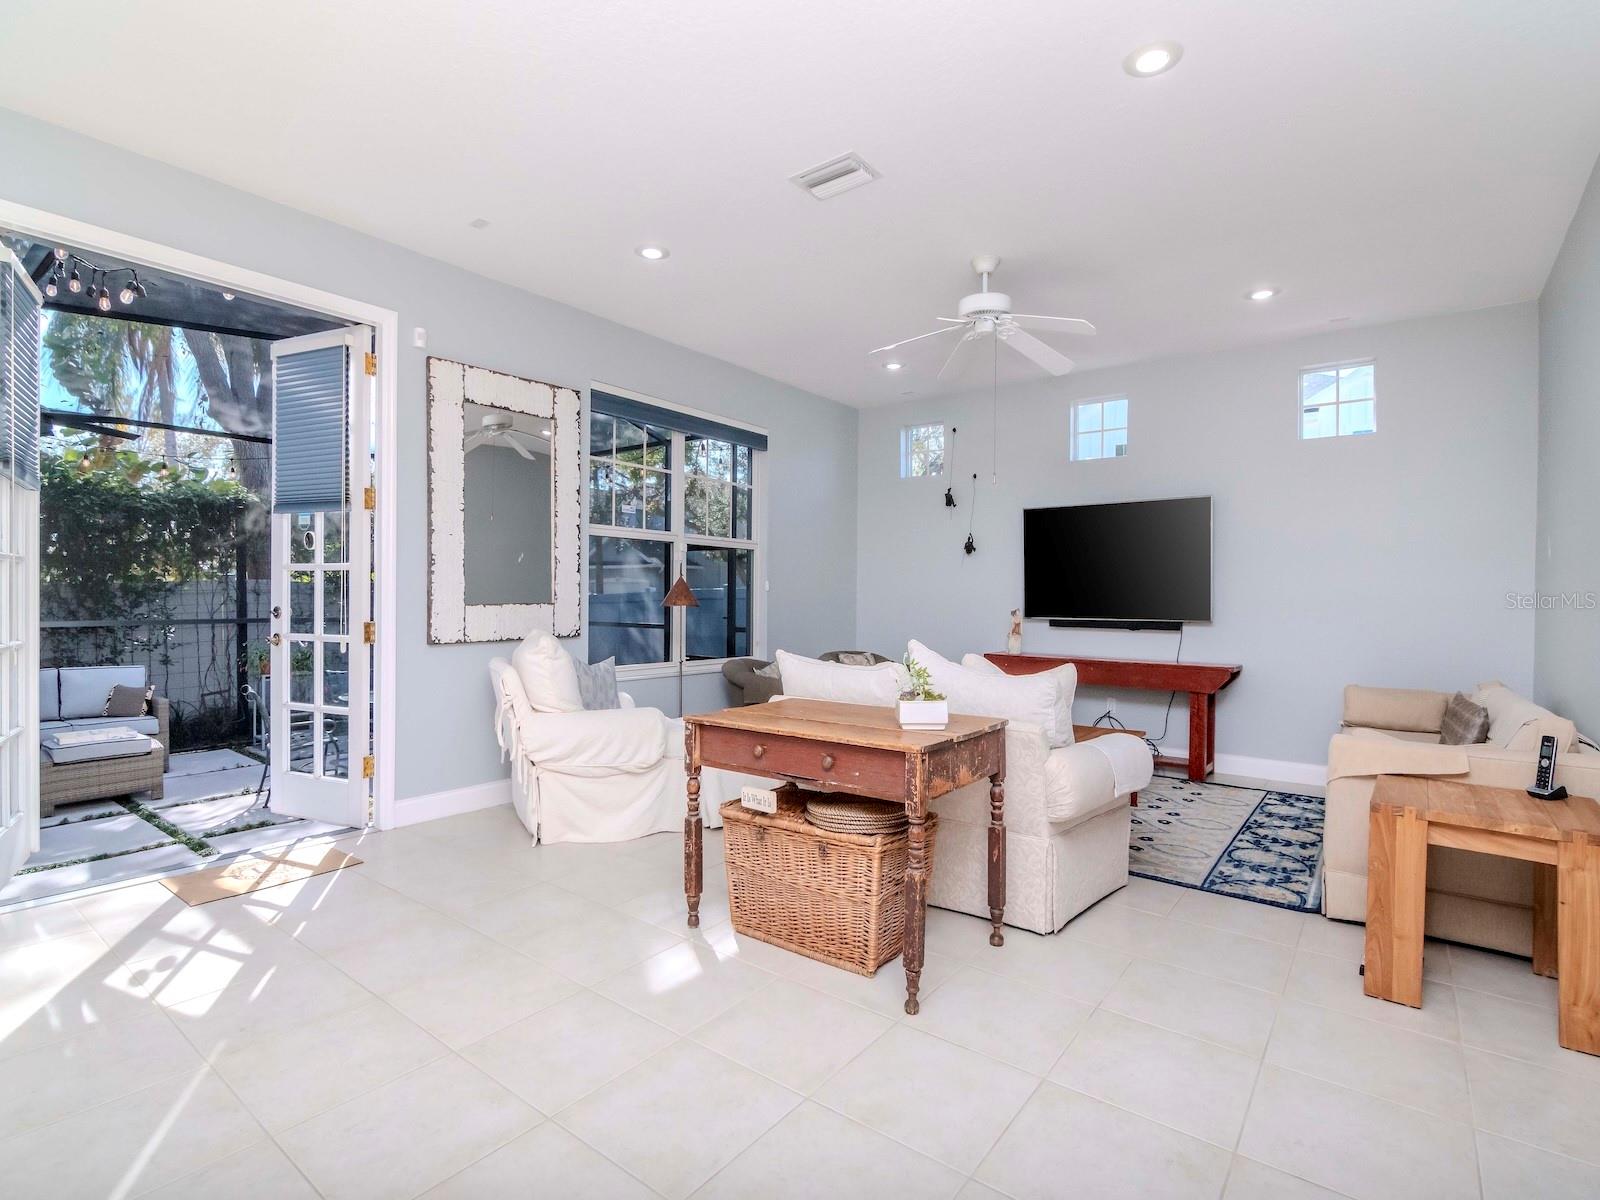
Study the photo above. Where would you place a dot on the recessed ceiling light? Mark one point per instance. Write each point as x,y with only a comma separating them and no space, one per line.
1263,293
652,253
1152,60
892,366
479,223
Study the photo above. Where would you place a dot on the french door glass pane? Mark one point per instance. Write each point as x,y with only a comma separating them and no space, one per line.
302,743
628,580
333,547
302,661
302,601
335,673
336,746
335,601
302,538
719,627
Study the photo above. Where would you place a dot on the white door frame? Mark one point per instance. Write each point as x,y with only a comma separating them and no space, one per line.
385,322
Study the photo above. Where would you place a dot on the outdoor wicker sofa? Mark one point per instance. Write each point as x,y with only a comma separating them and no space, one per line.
73,698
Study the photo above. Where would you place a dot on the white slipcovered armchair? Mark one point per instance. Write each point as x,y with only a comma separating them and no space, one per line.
608,775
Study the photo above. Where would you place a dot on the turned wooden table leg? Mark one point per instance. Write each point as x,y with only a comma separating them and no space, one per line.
693,829
916,902
1397,888
997,857
1545,958
1578,943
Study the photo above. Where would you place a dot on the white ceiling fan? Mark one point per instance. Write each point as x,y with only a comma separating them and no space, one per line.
496,429
986,313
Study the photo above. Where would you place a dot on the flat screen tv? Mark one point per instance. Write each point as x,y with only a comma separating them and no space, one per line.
1142,564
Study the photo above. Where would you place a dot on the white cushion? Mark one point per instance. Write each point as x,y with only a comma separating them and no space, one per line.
1034,699
548,677
814,679
73,746
1066,679
1517,723
49,694
85,690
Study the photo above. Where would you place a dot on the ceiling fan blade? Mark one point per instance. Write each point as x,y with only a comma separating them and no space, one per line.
951,360
1030,347
954,320
1058,324
520,446
908,341
474,440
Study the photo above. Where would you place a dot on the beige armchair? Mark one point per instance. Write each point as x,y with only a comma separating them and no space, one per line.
1473,898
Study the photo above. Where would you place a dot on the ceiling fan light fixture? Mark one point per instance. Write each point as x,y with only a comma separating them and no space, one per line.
1152,60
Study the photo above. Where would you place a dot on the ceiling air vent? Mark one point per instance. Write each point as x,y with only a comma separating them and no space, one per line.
835,176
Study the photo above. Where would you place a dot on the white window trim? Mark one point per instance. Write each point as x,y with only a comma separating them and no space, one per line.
1072,427
1300,391
681,539
905,450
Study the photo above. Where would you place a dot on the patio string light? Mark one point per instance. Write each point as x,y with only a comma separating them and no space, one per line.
69,269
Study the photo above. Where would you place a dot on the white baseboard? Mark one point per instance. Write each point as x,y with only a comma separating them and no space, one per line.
1275,770
451,803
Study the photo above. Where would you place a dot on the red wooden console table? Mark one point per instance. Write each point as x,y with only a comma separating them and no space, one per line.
1201,680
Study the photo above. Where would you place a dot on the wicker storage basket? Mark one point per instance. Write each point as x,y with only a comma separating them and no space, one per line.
834,897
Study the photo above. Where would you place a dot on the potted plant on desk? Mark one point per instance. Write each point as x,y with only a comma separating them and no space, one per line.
920,706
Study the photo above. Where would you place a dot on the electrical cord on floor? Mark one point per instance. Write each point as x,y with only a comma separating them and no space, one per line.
1155,742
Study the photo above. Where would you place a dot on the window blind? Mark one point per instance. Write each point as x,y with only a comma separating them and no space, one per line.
20,328
642,413
309,411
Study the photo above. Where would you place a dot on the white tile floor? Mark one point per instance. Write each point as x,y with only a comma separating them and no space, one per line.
466,1016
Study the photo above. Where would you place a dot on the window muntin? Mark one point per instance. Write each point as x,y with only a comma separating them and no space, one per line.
1338,400
641,537
921,451
1100,428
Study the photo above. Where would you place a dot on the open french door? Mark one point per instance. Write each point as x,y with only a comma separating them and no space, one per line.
322,576
20,306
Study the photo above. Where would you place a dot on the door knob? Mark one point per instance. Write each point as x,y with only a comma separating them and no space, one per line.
277,639
277,611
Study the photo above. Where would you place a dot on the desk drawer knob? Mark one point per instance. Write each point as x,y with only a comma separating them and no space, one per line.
827,762
758,750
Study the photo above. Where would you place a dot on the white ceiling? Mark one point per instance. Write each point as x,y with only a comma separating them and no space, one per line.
1374,159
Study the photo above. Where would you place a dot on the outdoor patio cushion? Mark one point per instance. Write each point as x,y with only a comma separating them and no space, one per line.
49,694
86,745
150,725
84,689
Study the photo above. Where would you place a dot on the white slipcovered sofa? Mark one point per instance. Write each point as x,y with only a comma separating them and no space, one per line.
1066,806
602,775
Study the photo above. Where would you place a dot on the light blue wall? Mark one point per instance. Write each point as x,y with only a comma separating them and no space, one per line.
444,739
1382,560
1567,643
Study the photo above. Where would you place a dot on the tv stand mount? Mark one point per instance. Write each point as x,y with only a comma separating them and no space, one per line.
1067,623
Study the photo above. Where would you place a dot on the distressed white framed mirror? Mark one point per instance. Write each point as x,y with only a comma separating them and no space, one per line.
504,506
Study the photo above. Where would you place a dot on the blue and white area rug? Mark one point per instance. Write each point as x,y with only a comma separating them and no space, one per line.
1257,845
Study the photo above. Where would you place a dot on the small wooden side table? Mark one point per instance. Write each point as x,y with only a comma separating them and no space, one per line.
861,751
1560,837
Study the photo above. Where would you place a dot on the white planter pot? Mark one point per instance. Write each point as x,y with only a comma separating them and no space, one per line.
924,714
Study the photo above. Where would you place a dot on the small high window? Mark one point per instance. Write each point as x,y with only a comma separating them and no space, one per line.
1339,400
921,451
1100,428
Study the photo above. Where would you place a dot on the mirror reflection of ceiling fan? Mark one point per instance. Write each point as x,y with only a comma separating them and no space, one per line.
497,429
988,314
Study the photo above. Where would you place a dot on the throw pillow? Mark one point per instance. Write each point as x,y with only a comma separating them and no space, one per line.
1031,699
855,658
549,675
1066,678
128,701
597,684
814,679
770,671
1464,723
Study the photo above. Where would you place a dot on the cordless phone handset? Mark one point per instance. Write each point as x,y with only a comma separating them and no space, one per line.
1546,774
